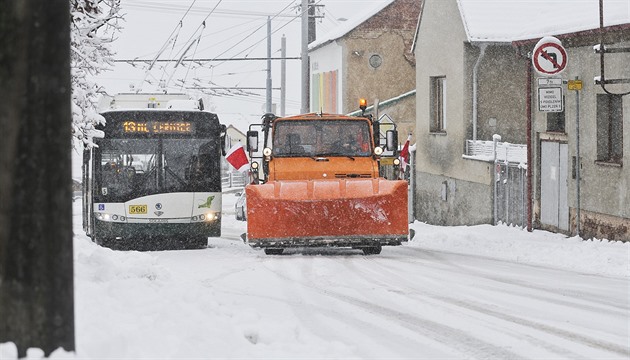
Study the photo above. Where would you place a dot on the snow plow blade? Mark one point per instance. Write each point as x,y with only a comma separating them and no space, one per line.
340,212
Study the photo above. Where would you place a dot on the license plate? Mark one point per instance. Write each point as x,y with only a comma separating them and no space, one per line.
137,209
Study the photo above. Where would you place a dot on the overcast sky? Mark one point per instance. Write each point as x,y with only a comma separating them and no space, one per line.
235,29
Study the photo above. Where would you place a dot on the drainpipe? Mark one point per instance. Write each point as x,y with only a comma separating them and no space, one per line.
482,48
529,143
528,111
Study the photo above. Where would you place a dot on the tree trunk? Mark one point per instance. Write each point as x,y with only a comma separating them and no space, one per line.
36,259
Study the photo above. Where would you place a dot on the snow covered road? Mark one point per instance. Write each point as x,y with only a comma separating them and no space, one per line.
494,299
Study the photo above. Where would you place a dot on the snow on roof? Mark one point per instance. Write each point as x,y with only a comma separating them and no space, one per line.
349,25
510,20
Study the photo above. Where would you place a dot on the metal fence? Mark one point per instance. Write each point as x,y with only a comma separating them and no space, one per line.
510,178
510,194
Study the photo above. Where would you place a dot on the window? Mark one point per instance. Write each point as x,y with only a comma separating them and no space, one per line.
321,138
609,128
556,122
438,104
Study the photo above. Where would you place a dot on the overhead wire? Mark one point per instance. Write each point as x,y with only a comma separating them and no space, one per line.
200,29
177,27
263,39
187,45
169,8
251,34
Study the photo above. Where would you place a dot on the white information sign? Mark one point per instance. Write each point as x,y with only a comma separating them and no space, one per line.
548,81
550,99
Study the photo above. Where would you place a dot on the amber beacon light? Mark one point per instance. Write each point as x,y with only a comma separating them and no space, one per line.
362,104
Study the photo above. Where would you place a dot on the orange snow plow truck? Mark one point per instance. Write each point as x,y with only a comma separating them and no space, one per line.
317,184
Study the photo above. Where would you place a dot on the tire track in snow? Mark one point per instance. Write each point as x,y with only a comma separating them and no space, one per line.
599,303
485,310
440,333
317,314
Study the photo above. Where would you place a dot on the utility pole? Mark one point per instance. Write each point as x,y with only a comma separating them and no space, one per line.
312,29
268,102
309,34
36,265
283,76
305,61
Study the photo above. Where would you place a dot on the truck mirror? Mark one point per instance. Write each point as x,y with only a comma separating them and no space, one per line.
252,141
392,140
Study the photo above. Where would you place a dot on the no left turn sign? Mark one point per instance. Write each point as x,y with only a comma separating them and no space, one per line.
550,57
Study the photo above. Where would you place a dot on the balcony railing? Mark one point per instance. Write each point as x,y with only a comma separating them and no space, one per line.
483,151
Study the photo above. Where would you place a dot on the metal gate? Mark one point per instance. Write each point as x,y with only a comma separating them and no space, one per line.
510,177
554,164
511,194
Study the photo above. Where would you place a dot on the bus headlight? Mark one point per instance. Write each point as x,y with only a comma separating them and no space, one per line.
396,161
378,150
254,165
109,217
267,151
209,216
212,216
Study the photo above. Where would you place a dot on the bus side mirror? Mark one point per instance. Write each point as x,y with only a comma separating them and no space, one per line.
392,140
252,141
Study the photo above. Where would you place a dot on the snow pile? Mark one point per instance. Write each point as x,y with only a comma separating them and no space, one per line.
601,257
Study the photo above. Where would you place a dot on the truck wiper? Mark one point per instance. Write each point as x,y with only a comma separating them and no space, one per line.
335,154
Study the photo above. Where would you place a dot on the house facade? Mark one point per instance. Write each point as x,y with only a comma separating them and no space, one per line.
461,96
476,87
368,57
600,116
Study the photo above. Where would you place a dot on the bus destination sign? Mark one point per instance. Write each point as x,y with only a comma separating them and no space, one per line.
157,127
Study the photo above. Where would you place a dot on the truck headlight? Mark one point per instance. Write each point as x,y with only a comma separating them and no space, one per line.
378,150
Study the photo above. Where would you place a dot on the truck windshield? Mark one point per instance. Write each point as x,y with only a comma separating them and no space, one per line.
294,138
130,168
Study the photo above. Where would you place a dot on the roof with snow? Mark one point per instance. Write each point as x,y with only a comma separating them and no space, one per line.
512,20
349,25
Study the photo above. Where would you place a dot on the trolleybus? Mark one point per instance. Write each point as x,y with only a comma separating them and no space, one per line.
154,179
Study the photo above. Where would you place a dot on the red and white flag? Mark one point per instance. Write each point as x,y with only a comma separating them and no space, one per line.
237,158
404,154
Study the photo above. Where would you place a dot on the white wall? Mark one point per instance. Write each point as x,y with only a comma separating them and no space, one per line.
328,58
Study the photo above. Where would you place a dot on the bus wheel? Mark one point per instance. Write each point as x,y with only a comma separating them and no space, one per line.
273,251
103,241
200,243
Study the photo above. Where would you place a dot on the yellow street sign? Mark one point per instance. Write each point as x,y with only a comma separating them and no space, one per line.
575,85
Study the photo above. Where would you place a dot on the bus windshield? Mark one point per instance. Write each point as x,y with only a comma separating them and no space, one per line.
130,168
321,138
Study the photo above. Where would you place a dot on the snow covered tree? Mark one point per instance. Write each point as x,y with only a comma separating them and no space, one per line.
94,24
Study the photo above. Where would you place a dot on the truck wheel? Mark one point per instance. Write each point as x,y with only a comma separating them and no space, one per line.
372,250
272,251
